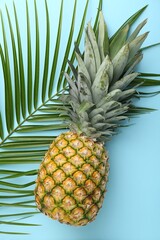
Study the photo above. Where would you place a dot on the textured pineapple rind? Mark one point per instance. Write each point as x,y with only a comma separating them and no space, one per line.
72,179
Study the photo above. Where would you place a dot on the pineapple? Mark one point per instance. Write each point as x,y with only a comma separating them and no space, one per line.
72,177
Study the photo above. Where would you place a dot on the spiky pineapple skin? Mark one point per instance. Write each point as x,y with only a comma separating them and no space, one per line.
72,179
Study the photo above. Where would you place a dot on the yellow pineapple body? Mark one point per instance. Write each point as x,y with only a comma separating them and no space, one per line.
72,179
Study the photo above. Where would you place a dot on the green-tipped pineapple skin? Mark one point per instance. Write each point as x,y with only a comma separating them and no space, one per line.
72,179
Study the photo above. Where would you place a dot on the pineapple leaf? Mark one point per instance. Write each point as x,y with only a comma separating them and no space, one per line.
101,82
89,59
93,41
124,82
135,45
132,63
136,31
120,61
83,70
103,39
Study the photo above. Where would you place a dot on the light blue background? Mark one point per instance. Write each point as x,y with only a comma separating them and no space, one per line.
131,210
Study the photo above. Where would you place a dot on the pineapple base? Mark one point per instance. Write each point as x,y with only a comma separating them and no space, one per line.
72,179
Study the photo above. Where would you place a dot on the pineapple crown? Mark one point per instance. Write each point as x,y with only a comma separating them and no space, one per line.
101,86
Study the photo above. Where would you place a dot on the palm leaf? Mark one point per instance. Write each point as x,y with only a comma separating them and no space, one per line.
150,46
14,233
46,62
15,191
8,81
16,74
17,214
14,185
149,74
32,110
18,223
8,88
130,21
66,56
15,196
55,58
146,82
17,205
13,174
37,59
95,28
134,110
21,67
29,62
77,42
118,41
1,128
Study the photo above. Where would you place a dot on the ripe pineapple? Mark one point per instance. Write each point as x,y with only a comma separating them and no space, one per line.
72,178
71,187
